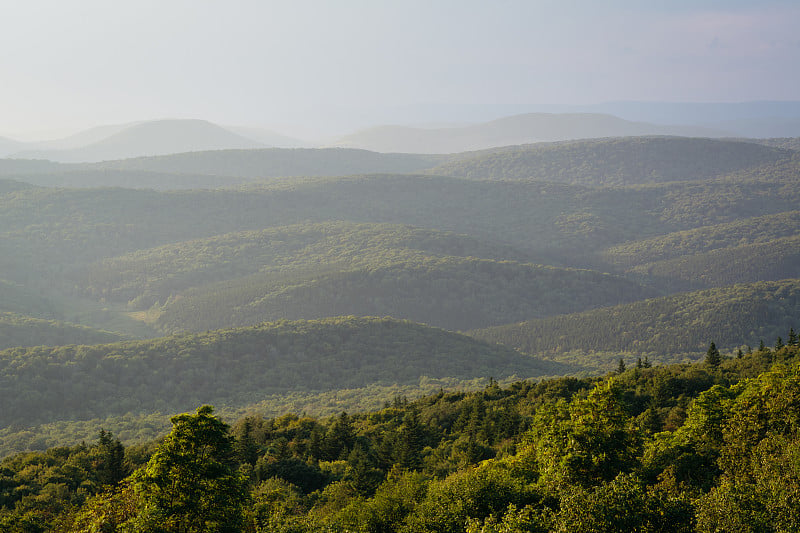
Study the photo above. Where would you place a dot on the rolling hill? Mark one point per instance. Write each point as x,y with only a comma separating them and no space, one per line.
18,330
449,292
493,244
9,146
276,162
318,270
47,233
513,130
211,169
772,260
753,230
684,323
149,138
623,161
7,186
158,274
240,366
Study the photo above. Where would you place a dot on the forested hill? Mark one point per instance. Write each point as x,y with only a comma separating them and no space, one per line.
159,273
240,366
789,143
20,330
213,168
450,292
618,161
22,300
318,270
104,222
749,249
732,317
772,260
512,130
609,161
699,448
755,230
276,162
7,186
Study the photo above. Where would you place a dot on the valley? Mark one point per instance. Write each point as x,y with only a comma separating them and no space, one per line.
320,281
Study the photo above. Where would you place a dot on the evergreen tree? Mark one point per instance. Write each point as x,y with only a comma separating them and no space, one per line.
339,439
713,357
792,337
621,367
778,343
111,468
245,446
410,442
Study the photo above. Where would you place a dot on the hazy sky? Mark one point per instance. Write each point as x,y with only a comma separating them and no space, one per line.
67,65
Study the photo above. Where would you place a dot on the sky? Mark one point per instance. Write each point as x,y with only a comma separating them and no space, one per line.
67,66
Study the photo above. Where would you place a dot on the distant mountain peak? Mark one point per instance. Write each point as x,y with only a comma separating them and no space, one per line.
525,128
155,137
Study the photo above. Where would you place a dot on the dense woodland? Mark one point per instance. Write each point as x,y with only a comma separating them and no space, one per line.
575,336
709,446
609,161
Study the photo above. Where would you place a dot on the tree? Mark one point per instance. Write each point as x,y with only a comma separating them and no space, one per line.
713,358
191,483
110,465
792,337
338,440
410,441
621,367
585,442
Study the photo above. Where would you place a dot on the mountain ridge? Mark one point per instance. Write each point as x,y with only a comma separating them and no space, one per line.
513,130
148,138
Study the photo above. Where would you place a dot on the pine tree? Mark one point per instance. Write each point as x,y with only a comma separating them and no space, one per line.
792,337
245,446
111,468
410,441
621,367
778,343
713,358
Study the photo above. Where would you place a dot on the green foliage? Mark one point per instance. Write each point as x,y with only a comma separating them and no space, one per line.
454,293
472,494
573,460
238,367
759,230
19,330
683,323
625,161
713,357
774,260
586,442
287,252
191,483
622,504
274,162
